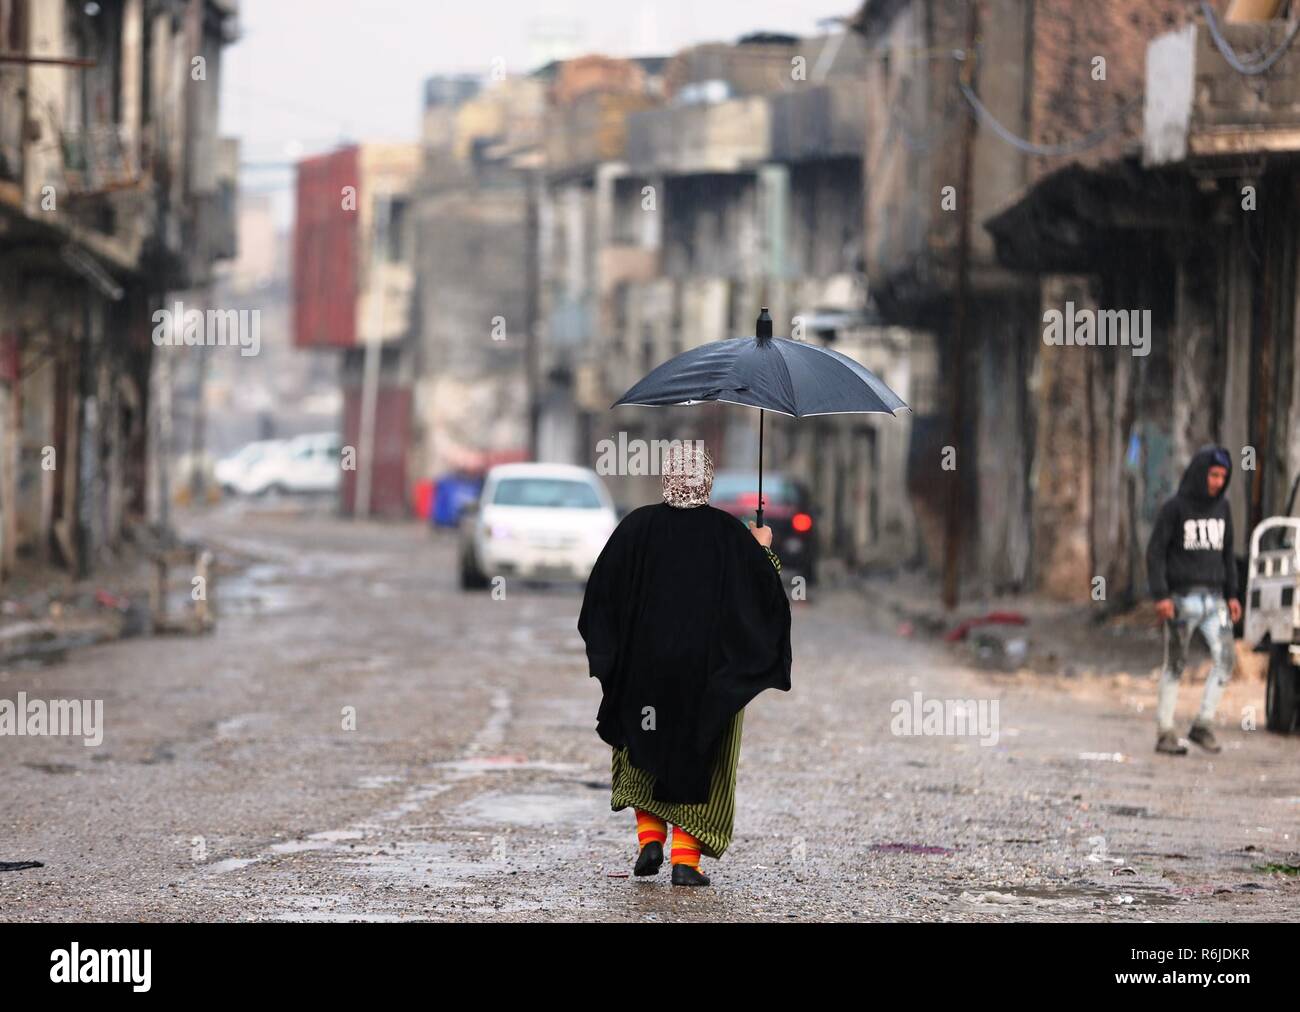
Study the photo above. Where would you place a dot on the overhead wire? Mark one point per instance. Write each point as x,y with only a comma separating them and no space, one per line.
1234,61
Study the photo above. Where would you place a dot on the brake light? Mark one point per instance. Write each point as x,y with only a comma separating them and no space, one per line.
801,522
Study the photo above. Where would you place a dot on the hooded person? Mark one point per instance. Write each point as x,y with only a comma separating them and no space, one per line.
685,620
1192,574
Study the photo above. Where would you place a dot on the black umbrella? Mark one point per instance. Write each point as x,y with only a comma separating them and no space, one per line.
769,373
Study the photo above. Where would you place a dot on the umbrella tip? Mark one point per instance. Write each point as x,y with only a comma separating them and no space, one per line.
763,328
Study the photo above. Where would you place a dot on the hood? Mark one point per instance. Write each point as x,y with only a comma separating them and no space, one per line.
1193,484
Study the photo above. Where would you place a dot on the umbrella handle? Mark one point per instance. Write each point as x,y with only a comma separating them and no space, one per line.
761,414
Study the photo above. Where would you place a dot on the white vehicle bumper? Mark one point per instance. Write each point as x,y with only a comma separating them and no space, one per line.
533,562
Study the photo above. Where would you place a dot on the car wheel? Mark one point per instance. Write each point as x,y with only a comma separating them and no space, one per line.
1281,697
471,577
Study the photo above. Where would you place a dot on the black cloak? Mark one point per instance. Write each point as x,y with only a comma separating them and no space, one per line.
683,613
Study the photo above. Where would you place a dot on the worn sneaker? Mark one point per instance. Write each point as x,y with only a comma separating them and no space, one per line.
1168,742
1204,737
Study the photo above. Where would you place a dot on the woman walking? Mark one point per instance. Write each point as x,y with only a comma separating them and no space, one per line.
685,621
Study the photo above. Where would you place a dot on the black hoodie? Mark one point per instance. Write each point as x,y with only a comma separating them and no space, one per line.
1191,543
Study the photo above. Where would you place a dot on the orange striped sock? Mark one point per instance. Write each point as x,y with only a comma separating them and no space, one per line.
650,827
686,848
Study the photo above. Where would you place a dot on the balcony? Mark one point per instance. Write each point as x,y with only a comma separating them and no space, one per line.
1198,106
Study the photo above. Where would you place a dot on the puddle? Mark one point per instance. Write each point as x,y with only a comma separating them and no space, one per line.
231,864
233,726
1069,897
416,864
500,763
377,781
505,907
413,801
329,839
310,913
533,809
258,590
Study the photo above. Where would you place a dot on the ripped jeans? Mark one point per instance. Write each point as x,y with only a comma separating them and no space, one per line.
1204,610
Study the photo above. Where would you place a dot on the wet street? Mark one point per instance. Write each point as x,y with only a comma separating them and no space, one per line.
473,786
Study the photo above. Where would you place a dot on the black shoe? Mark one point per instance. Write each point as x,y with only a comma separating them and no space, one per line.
1204,737
685,875
1168,742
650,858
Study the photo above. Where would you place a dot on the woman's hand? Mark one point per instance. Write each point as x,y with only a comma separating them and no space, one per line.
763,535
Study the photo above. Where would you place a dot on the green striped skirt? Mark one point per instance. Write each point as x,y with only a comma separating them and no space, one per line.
710,822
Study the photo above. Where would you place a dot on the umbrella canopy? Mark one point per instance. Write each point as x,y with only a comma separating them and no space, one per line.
772,373
768,373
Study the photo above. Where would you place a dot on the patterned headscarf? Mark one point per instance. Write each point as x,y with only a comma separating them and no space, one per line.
687,474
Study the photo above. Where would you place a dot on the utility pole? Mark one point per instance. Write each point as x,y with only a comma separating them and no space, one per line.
199,421
374,350
957,352
532,283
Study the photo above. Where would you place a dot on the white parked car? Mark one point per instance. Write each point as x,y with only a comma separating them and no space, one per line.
535,521
304,464
1273,616
238,472
312,463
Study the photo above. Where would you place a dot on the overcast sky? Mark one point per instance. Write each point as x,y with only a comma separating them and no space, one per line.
297,82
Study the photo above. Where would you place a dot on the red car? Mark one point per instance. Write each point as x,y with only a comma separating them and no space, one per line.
787,509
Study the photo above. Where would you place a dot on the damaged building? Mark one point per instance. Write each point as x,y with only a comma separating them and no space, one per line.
973,102
1128,166
1195,221
474,291
116,197
726,178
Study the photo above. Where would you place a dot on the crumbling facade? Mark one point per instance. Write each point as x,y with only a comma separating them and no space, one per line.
475,294
580,225
957,131
116,197
721,180
1125,299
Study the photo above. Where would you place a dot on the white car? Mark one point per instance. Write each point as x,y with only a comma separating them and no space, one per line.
1273,616
536,521
305,464
312,463
238,472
